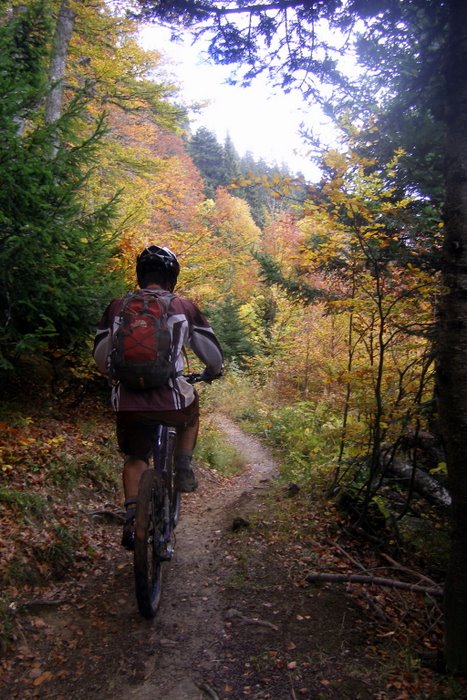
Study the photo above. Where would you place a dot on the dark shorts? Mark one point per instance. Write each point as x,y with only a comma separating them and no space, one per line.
135,429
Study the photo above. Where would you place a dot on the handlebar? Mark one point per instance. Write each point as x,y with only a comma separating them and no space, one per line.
194,377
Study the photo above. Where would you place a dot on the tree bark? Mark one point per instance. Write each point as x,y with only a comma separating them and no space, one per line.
63,32
452,339
424,484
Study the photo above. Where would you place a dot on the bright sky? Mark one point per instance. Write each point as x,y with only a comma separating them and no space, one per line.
267,125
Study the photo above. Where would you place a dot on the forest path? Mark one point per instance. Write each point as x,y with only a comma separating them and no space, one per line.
235,620
189,626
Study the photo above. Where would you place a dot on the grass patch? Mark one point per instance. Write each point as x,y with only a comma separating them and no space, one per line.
237,396
24,571
7,626
23,503
213,451
42,554
59,553
66,472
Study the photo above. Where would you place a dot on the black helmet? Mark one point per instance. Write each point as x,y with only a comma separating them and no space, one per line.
158,260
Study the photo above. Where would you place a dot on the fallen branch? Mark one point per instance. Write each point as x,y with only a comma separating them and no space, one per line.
366,596
411,572
345,554
208,690
424,484
374,580
377,610
42,603
232,613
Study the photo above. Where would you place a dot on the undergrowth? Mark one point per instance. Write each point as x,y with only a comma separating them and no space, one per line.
305,438
50,462
22,504
303,434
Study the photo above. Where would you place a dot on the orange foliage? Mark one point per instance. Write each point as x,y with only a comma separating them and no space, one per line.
283,239
234,236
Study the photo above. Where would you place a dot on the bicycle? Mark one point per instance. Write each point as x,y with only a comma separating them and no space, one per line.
157,513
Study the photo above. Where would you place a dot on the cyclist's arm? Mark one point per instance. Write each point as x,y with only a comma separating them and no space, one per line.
103,339
102,346
205,345
203,341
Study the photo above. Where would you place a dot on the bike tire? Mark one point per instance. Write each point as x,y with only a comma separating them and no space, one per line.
175,495
176,507
148,536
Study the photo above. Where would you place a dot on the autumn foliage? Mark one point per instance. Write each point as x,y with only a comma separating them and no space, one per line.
323,296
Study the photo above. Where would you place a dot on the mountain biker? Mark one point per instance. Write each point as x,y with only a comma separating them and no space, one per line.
176,402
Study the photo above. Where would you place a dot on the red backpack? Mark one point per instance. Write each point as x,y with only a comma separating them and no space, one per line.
141,356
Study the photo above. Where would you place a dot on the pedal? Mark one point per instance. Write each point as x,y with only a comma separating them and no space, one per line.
166,553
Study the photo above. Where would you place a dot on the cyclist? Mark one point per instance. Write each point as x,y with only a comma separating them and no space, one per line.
176,403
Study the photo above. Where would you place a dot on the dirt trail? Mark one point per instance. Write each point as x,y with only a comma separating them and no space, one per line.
190,623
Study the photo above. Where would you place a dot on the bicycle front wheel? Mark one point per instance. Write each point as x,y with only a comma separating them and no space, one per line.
148,544
174,494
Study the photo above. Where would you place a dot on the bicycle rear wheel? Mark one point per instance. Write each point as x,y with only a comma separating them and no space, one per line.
174,494
148,544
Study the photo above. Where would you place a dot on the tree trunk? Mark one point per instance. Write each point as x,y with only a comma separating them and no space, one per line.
452,340
423,483
63,32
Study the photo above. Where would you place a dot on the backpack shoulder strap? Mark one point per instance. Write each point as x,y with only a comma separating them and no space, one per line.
165,298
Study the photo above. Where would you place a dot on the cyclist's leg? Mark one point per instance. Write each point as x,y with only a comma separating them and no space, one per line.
134,439
133,469
186,423
187,434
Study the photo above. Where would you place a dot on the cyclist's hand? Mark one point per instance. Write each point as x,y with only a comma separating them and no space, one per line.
203,377
208,377
193,377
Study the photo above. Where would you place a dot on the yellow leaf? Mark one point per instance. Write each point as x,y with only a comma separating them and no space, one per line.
46,676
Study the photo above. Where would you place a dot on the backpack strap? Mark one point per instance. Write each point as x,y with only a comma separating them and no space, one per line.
187,360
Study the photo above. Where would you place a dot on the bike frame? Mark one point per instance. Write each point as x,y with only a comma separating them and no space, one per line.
164,439
157,514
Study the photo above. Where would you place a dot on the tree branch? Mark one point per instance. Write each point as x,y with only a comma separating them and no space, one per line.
374,580
254,9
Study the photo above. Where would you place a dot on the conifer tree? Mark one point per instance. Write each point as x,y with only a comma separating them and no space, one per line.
226,321
56,250
208,156
231,162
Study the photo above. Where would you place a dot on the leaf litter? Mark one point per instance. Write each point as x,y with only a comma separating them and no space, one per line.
76,627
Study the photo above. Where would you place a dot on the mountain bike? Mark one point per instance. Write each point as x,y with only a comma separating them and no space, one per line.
157,514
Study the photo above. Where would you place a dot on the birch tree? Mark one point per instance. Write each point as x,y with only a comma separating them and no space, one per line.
58,61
